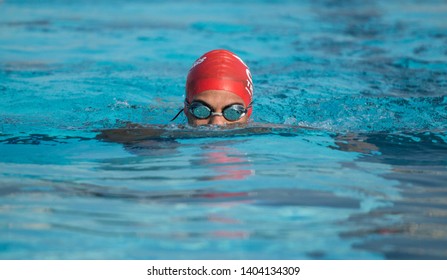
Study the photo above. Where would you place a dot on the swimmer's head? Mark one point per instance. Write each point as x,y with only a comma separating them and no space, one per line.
221,82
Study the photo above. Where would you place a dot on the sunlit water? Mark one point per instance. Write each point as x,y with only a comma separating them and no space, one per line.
367,182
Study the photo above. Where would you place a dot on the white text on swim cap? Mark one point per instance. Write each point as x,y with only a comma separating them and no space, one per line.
198,61
249,86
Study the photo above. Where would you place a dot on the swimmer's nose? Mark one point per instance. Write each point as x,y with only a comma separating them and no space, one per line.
217,120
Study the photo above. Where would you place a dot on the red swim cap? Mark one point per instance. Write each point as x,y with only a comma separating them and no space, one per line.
220,70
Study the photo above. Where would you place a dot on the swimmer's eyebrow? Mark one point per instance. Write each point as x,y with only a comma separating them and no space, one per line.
209,106
214,109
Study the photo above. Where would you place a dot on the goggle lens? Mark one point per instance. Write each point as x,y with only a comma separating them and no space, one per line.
200,111
234,112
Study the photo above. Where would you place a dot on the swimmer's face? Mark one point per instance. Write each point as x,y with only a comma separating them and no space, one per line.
217,100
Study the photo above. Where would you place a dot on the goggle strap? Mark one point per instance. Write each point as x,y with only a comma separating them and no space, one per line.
177,115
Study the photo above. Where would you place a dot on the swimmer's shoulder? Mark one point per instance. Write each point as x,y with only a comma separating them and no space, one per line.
133,132
137,132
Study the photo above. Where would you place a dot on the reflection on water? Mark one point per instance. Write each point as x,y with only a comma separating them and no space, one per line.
227,161
221,203
385,198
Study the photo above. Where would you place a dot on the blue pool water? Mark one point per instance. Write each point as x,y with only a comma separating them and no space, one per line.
367,182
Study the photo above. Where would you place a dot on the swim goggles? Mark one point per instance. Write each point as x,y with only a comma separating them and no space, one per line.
201,111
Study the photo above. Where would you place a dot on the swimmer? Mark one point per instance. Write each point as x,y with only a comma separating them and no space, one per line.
219,94
219,90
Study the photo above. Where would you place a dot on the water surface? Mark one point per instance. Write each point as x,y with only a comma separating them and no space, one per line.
363,176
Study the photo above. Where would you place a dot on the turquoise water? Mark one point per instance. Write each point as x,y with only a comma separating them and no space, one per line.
367,182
